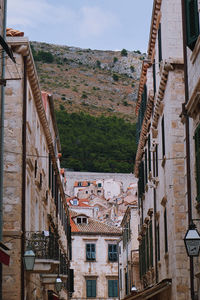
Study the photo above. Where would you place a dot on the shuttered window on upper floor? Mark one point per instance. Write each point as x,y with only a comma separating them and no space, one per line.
192,22
159,44
197,161
91,288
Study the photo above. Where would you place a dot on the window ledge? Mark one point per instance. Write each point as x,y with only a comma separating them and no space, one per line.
90,261
196,51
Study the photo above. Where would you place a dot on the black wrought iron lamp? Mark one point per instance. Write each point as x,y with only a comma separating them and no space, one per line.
29,259
58,284
192,241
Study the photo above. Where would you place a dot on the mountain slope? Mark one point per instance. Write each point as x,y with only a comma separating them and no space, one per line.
92,81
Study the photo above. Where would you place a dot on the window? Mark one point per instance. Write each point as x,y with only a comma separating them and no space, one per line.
159,44
146,177
151,243
154,77
91,252
99,184
149,152
158,241
79,184
112,288
165,229
75,202
192,22
197,156
91,288
112,252
163,136
81,220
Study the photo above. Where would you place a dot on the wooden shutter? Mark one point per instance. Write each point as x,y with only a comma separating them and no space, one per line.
192,22
91,288
197,154
112,288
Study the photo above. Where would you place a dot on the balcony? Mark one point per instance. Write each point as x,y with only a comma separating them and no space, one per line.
46,249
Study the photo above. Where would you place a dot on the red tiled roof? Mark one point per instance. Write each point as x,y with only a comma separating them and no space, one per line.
93,226
13,32
81,202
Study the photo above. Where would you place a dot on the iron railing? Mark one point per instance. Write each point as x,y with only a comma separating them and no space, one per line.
44,244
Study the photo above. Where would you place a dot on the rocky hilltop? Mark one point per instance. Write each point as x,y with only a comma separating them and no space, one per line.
93,81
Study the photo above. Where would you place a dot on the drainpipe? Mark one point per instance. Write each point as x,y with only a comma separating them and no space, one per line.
189,196
2,138
23,209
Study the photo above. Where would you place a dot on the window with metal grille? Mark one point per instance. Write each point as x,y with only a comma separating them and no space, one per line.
91,252
112,252
112,288
192,22
91,288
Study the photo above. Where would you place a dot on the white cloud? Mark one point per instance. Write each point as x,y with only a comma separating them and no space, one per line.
32,13
95,22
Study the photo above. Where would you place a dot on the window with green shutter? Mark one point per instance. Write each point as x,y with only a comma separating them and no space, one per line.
91,252
112,252
112,288
197,156
192,22
91,288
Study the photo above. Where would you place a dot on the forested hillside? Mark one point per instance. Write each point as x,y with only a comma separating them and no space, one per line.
96,144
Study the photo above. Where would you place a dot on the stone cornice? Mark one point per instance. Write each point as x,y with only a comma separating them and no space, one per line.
21,46
145,66
156,15
144,130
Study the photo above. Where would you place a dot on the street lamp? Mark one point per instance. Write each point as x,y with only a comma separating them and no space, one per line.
134,289
192,241
58,284
29,259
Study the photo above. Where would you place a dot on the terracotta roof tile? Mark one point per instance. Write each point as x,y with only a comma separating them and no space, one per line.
93,226
13,32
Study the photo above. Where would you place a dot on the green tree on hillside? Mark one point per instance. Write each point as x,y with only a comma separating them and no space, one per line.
96,144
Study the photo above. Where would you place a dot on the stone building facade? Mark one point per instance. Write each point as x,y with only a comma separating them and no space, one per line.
35,213
94,259
160,161
129,252
191,120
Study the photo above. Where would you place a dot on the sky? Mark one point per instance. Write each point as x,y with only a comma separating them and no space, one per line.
94,24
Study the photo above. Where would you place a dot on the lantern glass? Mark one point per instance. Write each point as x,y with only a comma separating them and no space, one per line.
192,241
29,260
58,284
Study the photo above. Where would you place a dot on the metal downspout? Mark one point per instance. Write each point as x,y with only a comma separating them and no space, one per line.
23,208
189,199
2,139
